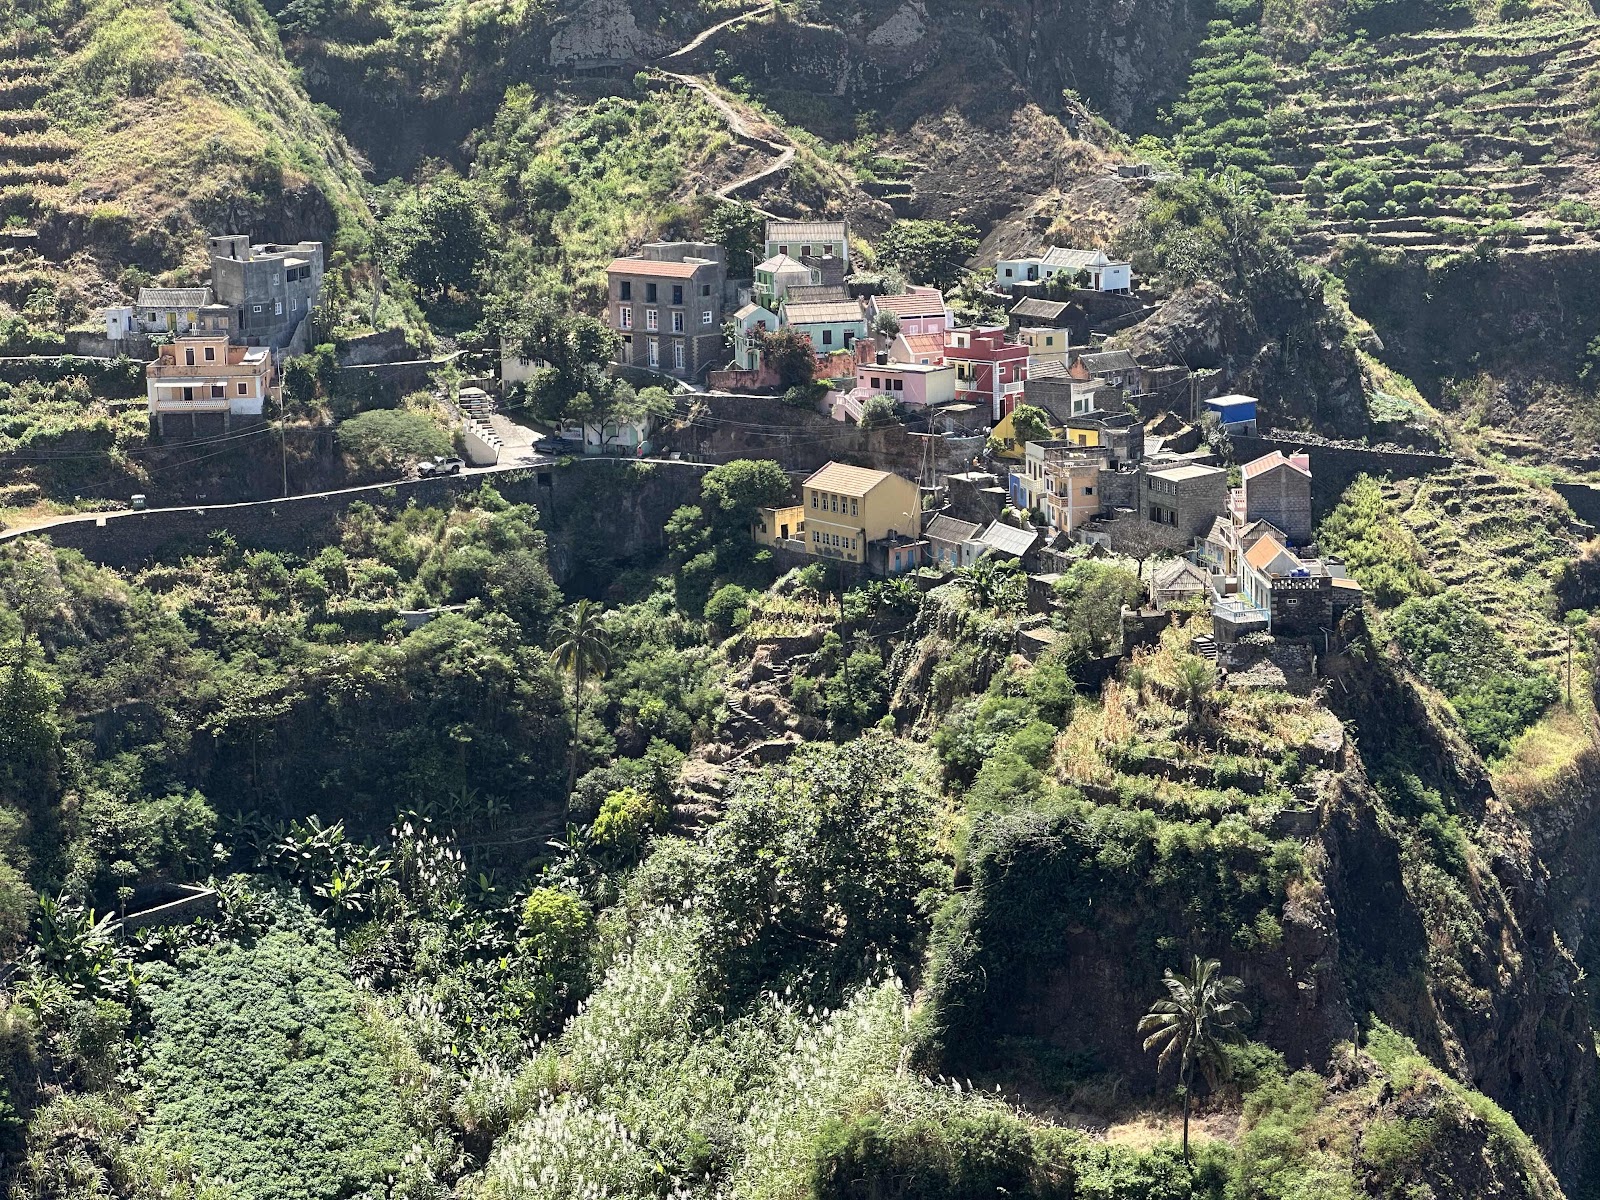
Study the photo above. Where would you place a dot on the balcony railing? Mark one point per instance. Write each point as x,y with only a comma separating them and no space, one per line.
1231,608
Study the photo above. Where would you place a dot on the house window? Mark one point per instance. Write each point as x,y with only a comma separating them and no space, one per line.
853,508
1008,272
625,290
705,289
188,356
655,352
805,251
899,384
677,355
677,322
255,308
649,293
705,317
1088,491
244,389
677,293
1050,341
813,499
625,317
188,393
211,354
783,249
652,319
218,391
876,382
828,249
827,337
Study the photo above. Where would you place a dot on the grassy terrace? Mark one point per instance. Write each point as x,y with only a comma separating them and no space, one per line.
1419,141
1165,739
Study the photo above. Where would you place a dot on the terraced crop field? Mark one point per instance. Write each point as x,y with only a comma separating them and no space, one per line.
35,160
1427,142
1499,540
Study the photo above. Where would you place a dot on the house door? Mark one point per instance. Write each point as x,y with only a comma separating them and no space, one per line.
172,322
655,353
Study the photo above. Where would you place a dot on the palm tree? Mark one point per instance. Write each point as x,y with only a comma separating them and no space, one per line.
1200,1012
1194,684
580,647
989,581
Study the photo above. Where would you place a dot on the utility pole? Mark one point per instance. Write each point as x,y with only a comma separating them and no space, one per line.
283,442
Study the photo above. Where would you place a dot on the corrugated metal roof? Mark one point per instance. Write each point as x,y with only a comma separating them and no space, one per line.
1008,539
948,529
806,293
1108,360
1065,256
195,297
911,305
1047,310
847,480
822,312
1269,462
816,231
655,266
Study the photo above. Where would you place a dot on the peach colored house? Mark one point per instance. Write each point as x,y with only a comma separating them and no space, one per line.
204,375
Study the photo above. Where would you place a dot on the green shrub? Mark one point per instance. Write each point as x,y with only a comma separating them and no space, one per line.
1495,691
627,818
386,440
1380,553
262,1066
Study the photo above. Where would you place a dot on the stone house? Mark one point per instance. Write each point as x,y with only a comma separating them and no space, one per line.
1277,488
1116,367
1185,498
268,288
666,303
180,311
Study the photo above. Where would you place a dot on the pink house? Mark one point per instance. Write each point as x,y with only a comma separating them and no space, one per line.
916,385
920,310
924,348
990,371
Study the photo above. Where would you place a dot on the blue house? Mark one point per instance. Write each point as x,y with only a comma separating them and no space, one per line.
1237,413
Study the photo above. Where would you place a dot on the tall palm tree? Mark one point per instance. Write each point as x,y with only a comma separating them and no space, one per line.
580,646
1199,1013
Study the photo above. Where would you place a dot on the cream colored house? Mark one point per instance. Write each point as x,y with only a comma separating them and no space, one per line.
848,508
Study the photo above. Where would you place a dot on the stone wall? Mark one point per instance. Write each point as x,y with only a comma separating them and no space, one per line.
599,517
1335,466
802,439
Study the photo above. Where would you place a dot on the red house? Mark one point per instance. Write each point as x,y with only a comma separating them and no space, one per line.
989,370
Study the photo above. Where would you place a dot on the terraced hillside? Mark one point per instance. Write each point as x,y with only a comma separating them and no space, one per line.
129,130
1424,141
1498,540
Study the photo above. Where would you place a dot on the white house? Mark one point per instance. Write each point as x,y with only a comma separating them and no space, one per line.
1104,275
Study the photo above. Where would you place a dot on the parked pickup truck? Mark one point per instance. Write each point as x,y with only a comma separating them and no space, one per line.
432,468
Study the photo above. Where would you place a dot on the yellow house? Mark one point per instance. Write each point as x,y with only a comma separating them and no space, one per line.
1004,435
1044,345
775,525
848,508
